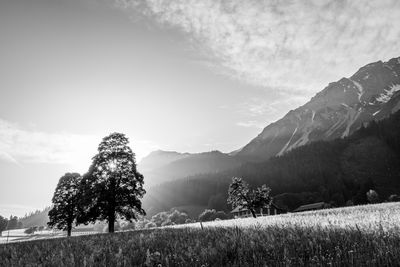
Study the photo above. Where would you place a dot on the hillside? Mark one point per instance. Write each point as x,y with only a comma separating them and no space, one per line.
354,236
37,218
334,171
162,166
372,93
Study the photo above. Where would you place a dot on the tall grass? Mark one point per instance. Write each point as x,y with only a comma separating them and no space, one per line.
315,238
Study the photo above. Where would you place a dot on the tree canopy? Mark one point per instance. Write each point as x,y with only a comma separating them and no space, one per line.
113,187
65,202
240,195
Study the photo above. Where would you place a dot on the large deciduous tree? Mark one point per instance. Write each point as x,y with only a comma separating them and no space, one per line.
113,187
65,202
240,195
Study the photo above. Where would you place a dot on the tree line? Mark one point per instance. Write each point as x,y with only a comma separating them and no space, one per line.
339,172
9,224
111,189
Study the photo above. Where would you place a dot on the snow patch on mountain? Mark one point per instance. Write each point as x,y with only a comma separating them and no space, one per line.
387,95
287,144
359,88
351,118
376,112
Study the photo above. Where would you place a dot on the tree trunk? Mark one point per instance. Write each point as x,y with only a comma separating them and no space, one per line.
69,229
253,213
111,221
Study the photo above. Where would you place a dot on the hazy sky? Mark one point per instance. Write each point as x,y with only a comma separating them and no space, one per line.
183,75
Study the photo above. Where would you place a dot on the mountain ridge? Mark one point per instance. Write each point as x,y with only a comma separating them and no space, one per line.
371,93
336,111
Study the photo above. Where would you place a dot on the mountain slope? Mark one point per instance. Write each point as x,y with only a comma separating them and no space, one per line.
159,158
161,166
336,171
372,93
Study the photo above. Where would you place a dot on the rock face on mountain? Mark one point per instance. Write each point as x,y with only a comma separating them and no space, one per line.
161,166
372,93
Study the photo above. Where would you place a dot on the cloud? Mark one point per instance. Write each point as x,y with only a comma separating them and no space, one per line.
7,158
252,124
257,107
19,145
253,112
30,146
295,46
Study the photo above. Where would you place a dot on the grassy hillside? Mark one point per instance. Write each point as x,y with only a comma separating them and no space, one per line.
359,236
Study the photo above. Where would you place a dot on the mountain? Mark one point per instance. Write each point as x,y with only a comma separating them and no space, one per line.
161,166
338,172
372,93
159,158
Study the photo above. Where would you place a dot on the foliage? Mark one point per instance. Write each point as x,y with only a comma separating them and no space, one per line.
31,230
65,202
394,198
38,217
211,215
113,187
3,224
241,196
171,217
335,172
14,223
372,196
354,236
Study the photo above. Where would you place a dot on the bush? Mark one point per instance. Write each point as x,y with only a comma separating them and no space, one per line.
207,215
394,198
210,215
372,196
31,230
150,225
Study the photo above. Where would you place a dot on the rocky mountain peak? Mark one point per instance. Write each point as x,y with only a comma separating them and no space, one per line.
337,111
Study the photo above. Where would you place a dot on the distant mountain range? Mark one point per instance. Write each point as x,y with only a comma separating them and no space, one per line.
339,172
372,93
161,166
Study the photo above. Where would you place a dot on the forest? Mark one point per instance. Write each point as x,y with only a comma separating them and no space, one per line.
338,172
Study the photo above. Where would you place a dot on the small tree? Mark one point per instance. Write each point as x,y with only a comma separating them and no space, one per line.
65,203
372,196
207,215
240,195
113,186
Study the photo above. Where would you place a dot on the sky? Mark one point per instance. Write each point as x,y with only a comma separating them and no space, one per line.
181,75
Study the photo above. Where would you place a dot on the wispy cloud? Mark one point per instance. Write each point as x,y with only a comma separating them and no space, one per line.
20,145
252,124
257,107
254,112
295,46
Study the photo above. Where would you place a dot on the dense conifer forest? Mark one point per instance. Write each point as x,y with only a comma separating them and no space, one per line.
339,172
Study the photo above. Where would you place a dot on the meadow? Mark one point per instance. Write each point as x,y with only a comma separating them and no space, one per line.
354,236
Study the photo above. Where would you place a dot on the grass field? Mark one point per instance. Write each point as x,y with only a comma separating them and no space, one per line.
358,236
